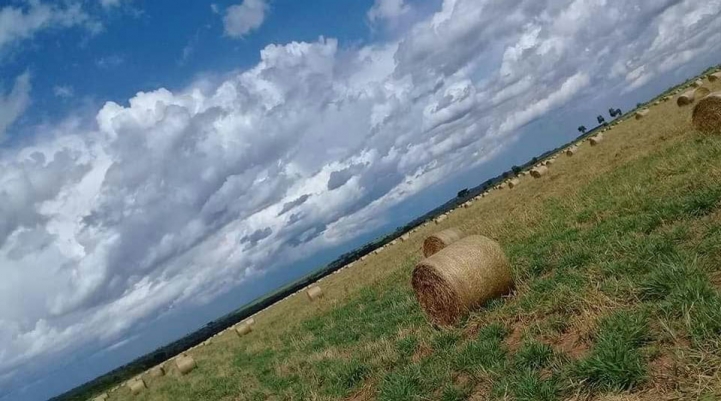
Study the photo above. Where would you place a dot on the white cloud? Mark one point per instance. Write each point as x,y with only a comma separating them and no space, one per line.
63,91
387,9
172,198
111,61
14,104
241,19
21,23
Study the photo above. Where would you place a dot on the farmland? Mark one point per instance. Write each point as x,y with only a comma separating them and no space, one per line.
616,255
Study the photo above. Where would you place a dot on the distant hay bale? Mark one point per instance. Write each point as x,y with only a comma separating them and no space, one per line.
467,204
157,371
572,150
656,103
502,185
440,218
460,278
513,183
250,321
405,237
686,98
701,92
440,240
314,292
539,171
136,386
714,77
550,161
697,83
101,397
185,364
595,140
706,116
243,329
641,114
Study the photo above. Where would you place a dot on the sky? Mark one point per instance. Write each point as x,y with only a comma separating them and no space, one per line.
163,163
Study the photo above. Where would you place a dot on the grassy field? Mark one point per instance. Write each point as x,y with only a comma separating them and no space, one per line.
617,261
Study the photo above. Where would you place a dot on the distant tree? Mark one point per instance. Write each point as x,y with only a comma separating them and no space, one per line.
534,160
516,170
600,119
612,112
619,113
582,129
638,105
463,193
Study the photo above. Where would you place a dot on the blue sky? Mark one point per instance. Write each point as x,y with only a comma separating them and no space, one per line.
162,164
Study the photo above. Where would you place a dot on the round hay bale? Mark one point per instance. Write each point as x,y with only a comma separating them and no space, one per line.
405,237
185,364
550,162
686,98
706,116
467,204
440,240
513,183
157,371
572,150
714,77
250,321
641,114
101,397
539,171
697,83
701,93
136,386
314,292
440,218
460,278
243,329
595,140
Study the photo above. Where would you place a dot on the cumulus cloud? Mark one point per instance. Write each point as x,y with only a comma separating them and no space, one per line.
143,210
19,23
243,18
387,9
14,103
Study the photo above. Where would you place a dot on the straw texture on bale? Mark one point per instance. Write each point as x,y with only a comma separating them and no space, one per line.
595,140
641,114
136,386
440,240
538,172
701,92
185,364
706,116
314,293
514,183
243,329
157,371
460,278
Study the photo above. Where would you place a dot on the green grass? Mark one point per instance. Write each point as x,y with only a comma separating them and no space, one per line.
613,269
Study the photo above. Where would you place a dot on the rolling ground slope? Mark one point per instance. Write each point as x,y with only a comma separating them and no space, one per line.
617,260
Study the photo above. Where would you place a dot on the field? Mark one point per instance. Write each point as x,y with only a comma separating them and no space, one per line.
617,260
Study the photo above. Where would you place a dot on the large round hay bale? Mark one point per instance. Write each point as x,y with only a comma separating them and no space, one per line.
440,240
595,140
157,371
539,171
185,364
136,386
714,77
572,150
706,114
686,98
701,92
460,278
243,329
513,183
696,83
314,292
641,114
